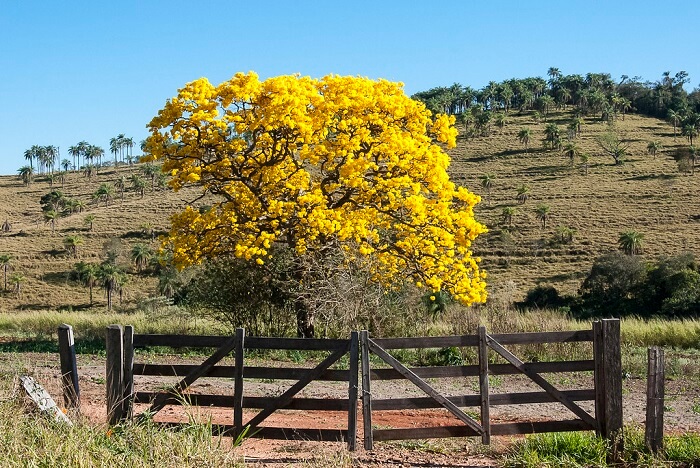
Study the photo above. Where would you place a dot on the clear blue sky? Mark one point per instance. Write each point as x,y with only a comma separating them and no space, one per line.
89,70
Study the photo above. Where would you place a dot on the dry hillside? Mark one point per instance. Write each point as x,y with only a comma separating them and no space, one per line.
646,194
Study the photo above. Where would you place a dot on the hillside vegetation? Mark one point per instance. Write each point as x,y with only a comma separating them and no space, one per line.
592,205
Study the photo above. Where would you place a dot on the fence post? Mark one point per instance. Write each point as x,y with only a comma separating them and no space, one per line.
366,392
352,390
115,374
654,426
238,382
69,366
608,383
484,386
128,372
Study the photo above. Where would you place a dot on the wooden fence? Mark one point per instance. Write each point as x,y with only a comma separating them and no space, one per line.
605,366
121,369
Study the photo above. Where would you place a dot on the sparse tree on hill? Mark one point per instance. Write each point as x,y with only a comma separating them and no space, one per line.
17,280
141,255
138,184
5,260
566,234
508,214
89,221
500,121
120,185
613,146
51,216
87,274
584,158
552,136
673,117
689,131
487,182
630,242
523,194
104,192
542,213
524,136
71,243
112,279
653,147
26,173
571,151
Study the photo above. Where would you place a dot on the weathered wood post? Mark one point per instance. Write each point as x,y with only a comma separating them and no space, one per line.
115,374
69,366
239,348
366,391
654,426
128,372
608,383
484,386
352,390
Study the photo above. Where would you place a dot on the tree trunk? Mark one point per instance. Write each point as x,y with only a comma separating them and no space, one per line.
305,319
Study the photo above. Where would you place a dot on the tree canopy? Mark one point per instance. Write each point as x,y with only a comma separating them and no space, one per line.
312,163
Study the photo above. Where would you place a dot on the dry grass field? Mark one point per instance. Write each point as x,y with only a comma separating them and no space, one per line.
645,194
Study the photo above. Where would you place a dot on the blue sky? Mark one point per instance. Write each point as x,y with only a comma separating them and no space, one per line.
89,70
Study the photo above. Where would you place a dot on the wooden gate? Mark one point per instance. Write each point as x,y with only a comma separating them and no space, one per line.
606,391
121,369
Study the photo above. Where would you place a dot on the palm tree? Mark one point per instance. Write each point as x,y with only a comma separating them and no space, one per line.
552,135
16,280
500,121
75,151
508,213
51,216
674,117
120,185
566,234
630,242
141,255
5,264
151,170
114,147
584,157
71,243
653,147
487,182
571,150
524,136
689,131
112,278
523,194
26,173
104,193
542,214
65,164
89,221
138,184
87,275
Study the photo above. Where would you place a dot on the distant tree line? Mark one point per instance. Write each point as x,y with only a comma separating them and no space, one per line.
590,94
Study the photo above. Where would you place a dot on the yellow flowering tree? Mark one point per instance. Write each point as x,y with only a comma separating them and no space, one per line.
311,163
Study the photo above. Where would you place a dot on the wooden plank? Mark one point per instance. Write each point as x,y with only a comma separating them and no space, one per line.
128,373
436,372
366,390
69,366
239,353
654,425
352,391
288,395
249,372
228,401
279,433
598,379
114,374
539,380
43,400
303,344
535,427
495,399
473,340
181,341
190,378
484,386
423,385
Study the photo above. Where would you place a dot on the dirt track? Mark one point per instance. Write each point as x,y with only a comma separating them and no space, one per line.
683,399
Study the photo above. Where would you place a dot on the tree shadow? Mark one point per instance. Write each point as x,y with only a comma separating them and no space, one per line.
56,277
653,177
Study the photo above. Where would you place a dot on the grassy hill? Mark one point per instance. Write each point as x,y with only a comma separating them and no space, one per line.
645,194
